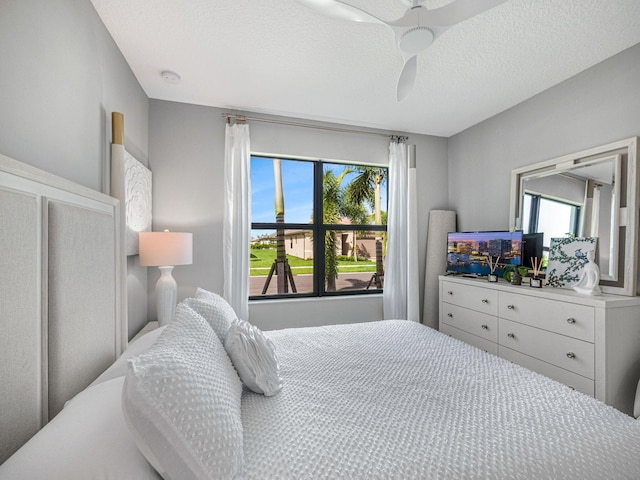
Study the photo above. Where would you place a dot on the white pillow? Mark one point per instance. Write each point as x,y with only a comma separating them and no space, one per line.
203,294
119,367
254,357
181,400
216,300
88,439
215,310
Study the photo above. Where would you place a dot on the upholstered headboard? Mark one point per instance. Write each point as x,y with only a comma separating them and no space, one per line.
62,315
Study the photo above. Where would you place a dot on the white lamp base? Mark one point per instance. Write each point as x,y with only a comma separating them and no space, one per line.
166,296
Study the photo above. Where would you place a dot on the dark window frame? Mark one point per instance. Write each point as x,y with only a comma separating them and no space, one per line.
534,213
318,229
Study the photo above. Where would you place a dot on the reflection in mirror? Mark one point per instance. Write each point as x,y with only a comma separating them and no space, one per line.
578,201
593,193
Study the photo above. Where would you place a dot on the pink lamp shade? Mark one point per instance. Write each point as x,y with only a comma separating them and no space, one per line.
165,248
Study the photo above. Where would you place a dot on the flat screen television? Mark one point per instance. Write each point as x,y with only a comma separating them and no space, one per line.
531,247
467,252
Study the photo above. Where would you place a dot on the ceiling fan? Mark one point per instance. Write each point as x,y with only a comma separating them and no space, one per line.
414,31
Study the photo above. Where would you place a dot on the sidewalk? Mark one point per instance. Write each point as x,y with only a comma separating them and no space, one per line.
304,283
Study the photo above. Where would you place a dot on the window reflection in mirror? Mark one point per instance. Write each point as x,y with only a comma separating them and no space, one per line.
552,217
578,200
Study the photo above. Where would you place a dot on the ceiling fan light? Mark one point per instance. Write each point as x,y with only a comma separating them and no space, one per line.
415,40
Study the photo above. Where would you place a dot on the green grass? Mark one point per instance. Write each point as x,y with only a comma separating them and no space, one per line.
264,258
261,261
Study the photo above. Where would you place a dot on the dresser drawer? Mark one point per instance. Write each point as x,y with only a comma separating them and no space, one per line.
569,353
572,380
569,319
480,324
481,343
483,300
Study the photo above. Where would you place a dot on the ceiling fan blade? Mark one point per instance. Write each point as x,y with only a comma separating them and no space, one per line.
340,10
407,78
458,11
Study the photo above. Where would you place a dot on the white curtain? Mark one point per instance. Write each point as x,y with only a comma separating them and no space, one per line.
237,218
400,295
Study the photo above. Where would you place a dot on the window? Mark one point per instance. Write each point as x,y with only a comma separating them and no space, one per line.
294,202
554,218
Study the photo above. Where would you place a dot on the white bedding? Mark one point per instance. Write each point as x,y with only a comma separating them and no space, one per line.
381,400
399,400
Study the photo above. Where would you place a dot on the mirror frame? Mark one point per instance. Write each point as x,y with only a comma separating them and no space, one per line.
628,204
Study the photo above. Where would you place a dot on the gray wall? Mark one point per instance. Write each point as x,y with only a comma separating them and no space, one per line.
559,187
61,77
598,106
186,148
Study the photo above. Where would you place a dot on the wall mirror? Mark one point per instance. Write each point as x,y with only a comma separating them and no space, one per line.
593,193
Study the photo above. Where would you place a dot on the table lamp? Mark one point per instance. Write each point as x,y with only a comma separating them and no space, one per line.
165,250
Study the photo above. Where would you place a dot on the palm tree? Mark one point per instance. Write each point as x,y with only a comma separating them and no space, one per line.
332,203
357,215
366,187
281,253
280,265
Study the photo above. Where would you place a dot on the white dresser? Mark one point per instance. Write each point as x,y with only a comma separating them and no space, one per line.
591,344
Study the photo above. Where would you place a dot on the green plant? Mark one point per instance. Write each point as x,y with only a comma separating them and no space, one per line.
507,270
349,258
263,246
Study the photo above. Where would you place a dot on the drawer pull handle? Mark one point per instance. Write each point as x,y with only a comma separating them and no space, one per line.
485,327
484,300
571,320
511,335
511,307
571,355
450,292
450,315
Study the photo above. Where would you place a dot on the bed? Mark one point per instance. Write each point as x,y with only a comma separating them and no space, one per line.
382,400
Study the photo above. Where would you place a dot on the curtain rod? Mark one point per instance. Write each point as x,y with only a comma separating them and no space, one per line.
243,118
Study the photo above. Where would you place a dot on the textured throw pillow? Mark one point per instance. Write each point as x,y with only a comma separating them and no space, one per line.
254,357
181,400
212,297
119,367
215,312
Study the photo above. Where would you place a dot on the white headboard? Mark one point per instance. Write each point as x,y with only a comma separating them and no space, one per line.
62,315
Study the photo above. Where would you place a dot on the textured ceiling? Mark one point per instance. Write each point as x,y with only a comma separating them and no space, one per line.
279,57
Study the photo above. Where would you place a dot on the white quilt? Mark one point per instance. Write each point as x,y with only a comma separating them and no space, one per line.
396,399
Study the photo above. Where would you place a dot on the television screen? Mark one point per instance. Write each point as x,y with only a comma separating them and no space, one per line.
467,252
531,247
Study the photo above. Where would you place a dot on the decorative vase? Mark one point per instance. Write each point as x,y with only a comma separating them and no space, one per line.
516,278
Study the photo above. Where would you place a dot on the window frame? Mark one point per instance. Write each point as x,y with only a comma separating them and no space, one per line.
318,229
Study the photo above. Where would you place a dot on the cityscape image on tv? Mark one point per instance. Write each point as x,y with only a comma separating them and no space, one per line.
467,252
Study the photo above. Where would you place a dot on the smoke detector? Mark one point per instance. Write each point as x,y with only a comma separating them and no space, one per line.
170,77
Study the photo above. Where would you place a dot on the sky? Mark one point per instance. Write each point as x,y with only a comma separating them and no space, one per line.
297,184
481,236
